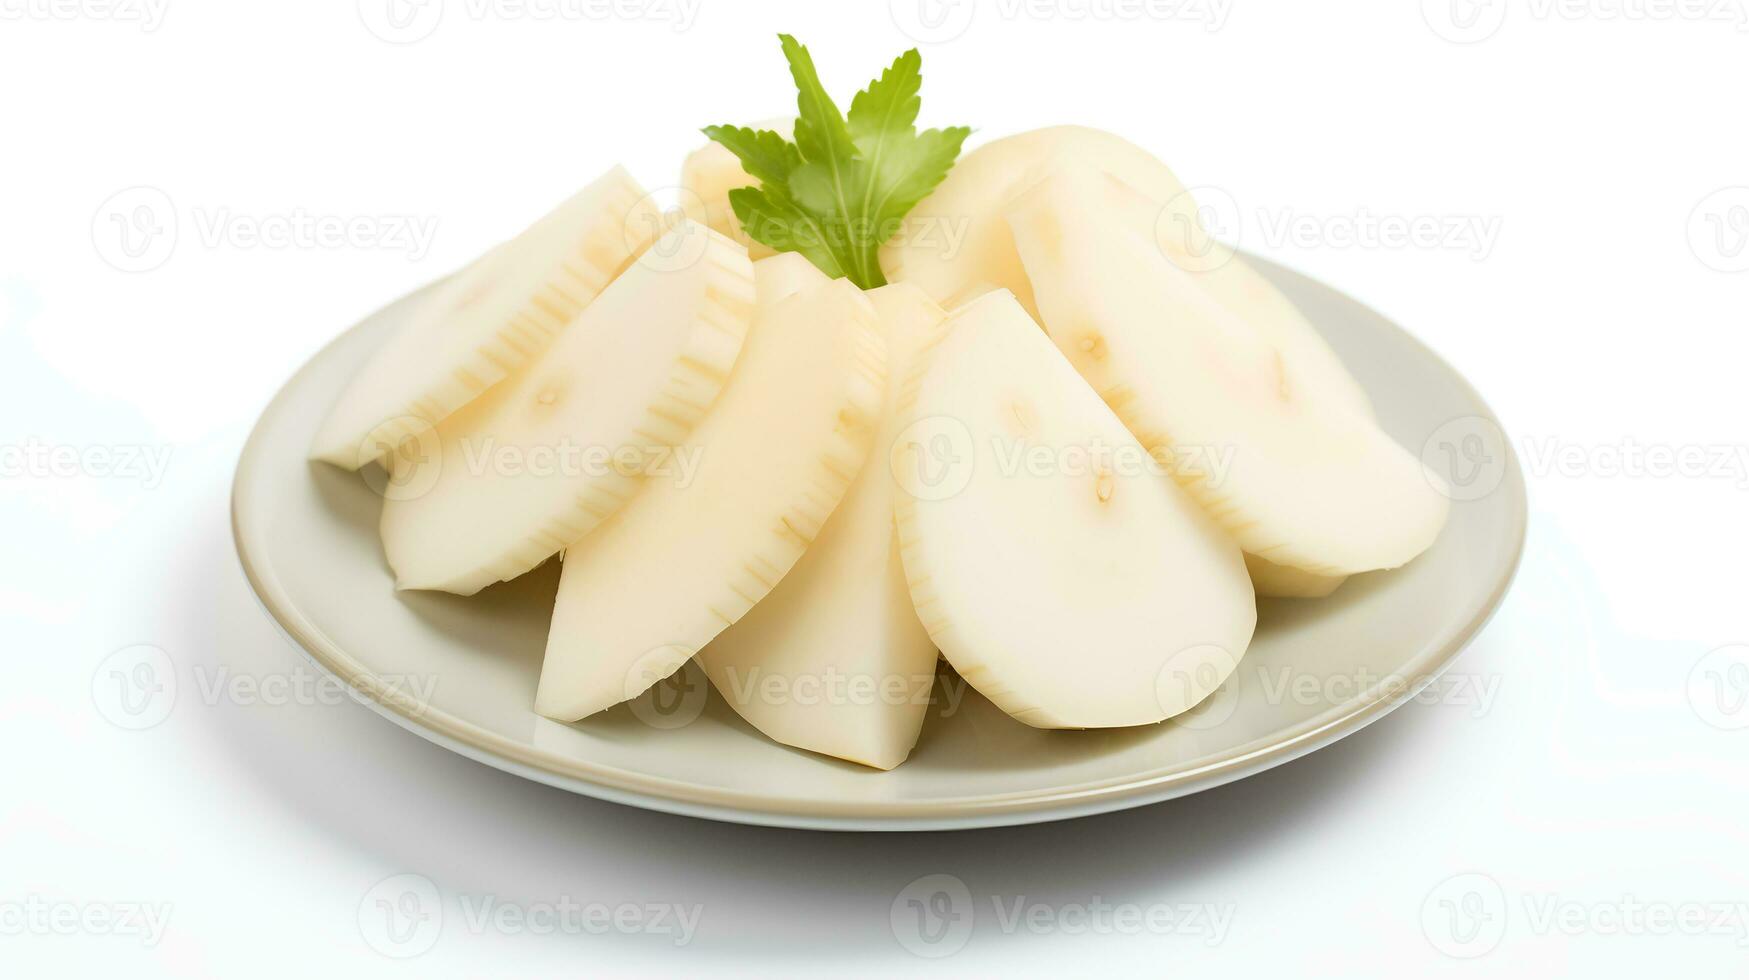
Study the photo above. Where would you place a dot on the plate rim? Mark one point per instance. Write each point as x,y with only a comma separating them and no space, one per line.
635,788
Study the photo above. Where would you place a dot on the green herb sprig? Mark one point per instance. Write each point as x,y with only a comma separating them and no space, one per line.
842,188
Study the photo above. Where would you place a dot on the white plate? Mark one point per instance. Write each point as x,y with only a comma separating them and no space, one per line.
1317,670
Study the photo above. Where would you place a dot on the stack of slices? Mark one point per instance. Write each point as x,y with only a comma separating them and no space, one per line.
1066,449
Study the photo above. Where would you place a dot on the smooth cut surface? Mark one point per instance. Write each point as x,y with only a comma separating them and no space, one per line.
1297,478
1062,574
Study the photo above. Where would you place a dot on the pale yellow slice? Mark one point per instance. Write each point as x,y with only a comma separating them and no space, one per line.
539,460
834,660
488,320
1065,579
687,558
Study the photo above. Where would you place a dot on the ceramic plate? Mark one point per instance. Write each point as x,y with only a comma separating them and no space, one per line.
462,671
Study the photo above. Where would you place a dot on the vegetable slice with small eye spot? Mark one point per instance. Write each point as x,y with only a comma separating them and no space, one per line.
1298,476
1067,579
540,459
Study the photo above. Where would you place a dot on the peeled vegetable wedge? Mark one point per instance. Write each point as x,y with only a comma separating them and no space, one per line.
835,660
687,558
540,459
1238,286
488,320
957,244
1062,576
1298,479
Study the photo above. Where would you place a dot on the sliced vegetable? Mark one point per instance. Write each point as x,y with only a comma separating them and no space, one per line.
834,660
1063,577
689,556
538,461
957,242
488,320
1298,479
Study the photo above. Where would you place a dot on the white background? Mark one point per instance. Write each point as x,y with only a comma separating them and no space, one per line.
1604,313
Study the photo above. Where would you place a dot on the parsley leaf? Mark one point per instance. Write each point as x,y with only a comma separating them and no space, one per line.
844,186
